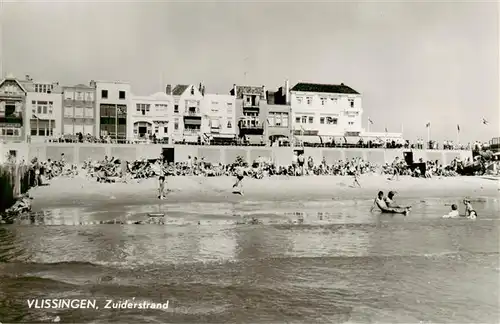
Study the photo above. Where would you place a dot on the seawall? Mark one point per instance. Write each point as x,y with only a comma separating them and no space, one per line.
78,153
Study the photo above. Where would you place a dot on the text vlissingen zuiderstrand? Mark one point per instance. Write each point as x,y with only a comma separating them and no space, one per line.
94,304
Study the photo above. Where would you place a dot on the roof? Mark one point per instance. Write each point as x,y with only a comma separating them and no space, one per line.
325,88
79,86
10,78
179,89
240,90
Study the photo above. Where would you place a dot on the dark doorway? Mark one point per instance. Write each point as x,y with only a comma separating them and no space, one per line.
168,154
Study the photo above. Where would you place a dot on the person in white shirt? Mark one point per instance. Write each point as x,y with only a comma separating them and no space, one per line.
453,213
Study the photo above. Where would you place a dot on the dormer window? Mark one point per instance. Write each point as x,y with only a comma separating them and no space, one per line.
192,90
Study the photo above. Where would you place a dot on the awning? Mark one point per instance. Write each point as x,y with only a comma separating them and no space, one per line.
192,121
223,135
191,138
350,140
254,139
309,139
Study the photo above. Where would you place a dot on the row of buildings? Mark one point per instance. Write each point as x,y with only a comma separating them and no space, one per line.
307,112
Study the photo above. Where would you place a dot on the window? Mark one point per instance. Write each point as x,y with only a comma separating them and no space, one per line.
176,124
68,95
165,130
322,120
323,101
192,90
176,108
50,107
304,119
299,100
229,125
79,96
334,100
104,94
311,120
297,120
121,94
351,102
331,121
284,120
351,123
309,100
90,96
229,108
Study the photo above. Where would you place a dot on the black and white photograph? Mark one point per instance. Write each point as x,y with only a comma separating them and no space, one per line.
260,162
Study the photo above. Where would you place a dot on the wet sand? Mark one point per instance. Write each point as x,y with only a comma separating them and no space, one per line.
86,192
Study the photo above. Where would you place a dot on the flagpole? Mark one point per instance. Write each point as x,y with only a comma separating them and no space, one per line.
428,137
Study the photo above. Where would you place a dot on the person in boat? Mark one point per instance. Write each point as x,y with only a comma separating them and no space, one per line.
382,205
453,213
470,213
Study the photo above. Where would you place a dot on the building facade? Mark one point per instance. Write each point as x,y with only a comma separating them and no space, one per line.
13,126
187,115
149,117
278,115
321,112
79,110
219,119
251,112
112,101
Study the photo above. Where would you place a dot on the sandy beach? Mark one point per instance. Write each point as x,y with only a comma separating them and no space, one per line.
86,192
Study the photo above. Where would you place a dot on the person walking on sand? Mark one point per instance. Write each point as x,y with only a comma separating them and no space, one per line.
395,167
356,177
238,185
160,169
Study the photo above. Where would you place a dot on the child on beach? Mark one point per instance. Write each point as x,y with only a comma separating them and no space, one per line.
470,213
453,213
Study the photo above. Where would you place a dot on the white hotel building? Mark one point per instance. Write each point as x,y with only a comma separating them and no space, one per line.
322,113
149,117
220,117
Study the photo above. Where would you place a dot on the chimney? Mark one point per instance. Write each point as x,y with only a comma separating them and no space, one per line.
27,77
199,87
234,90
168,90
287,92
203,90
342,84
264,92
92,84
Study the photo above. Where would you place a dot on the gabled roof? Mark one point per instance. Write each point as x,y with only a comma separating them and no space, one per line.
179,89
252,90
16,81
325,88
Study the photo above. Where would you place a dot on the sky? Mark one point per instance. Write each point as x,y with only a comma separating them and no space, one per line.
413,62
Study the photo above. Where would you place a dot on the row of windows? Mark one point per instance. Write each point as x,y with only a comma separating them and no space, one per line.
322,120
44,88
78,112
41,107
11,132
79,95
121,94
276,119
324,101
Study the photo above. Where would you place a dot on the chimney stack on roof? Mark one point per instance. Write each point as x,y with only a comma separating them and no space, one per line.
168,89
264,92
287,92
234,89
203,90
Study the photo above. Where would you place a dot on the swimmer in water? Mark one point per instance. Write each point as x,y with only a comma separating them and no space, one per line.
382,205
470,213
389,200
453,213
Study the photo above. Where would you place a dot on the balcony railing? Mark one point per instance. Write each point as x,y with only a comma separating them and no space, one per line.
195,113
188,132
251,104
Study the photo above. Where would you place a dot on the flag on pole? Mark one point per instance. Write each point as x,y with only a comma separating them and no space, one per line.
485,121
371,121
458,127
428,125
